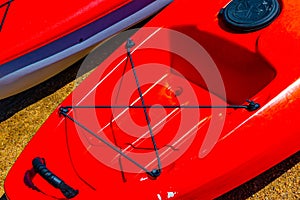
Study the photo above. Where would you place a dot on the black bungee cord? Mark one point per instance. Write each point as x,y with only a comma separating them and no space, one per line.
63,110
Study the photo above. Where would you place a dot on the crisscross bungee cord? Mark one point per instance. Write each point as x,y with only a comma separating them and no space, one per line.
251,106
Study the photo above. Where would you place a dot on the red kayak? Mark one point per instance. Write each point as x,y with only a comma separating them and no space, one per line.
197,102
39,39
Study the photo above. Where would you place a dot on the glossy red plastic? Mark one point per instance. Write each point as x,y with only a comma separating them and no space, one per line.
22,32
262,66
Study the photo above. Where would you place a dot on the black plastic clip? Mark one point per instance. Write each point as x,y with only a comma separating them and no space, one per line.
154,173
252,106
63,111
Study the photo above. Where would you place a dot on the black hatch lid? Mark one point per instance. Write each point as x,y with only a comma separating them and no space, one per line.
250,15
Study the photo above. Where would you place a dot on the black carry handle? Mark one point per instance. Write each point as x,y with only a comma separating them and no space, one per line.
40,168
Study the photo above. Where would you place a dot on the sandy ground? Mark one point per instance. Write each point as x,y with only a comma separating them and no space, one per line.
22,115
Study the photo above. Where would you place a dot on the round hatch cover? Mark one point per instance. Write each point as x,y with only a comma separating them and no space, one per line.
250,15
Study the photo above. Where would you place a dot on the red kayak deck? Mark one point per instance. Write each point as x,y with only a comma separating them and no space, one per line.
255,65
28,25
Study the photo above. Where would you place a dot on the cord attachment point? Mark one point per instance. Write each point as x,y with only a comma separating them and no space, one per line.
154,173
63,110
129,44
252,106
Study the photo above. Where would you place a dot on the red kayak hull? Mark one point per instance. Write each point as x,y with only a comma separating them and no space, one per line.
262,66
54,38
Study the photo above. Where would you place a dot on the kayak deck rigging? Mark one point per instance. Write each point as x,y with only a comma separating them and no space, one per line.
154,173
4,7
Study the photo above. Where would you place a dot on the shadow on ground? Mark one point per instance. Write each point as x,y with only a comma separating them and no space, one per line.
256,184
11,105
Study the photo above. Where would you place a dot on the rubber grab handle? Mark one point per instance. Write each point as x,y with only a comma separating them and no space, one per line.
40,167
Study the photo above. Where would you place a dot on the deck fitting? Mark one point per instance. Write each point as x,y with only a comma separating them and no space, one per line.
252,106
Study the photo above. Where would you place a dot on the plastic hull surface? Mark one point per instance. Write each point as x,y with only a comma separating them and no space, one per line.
48,44
255,67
